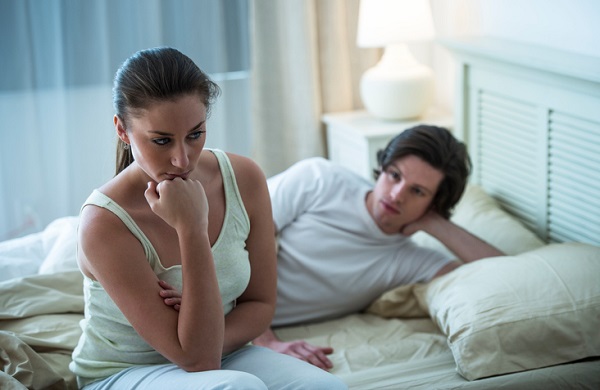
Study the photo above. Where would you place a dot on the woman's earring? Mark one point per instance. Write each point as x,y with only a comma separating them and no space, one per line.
126,146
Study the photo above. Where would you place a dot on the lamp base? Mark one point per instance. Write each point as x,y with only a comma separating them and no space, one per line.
398,87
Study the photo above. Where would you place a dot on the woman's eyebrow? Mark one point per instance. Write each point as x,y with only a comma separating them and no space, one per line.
199,125
166,133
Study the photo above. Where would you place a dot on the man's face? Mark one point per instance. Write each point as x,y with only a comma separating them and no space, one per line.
403,193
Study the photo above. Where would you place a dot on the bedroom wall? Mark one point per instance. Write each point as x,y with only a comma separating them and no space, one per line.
570,25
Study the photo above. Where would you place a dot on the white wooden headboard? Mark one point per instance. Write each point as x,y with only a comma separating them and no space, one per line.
531,118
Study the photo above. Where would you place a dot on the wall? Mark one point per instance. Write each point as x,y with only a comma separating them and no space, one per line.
570,25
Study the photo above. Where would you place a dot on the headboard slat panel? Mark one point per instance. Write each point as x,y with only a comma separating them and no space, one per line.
506,148
567,227
533,131
574,186
576,143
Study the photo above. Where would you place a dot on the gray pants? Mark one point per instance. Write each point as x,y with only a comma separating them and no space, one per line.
250,367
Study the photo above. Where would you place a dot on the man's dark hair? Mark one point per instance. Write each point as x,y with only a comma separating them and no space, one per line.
438,147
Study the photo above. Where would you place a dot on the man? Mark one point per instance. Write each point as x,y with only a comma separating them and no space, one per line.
343,242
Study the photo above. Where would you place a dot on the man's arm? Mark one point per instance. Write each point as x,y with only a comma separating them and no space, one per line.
463,244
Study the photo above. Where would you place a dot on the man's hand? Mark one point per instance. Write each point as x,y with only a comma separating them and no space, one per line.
299,349
423,223
304,351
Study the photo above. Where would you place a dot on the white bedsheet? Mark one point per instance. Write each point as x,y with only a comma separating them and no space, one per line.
376,353
39,328
51,250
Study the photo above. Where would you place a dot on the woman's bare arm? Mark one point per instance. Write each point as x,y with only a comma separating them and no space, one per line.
191,338
255,307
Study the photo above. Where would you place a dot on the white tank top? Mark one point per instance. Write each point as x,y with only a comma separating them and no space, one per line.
109,343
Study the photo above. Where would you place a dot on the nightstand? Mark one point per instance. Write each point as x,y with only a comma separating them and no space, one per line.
353,138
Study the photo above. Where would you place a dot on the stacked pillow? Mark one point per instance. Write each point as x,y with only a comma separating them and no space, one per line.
515,313
481,215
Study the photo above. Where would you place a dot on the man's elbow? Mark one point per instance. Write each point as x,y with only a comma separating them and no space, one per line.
448,268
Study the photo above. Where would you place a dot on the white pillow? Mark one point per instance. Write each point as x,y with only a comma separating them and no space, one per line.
514,313
481,215
21,256
60,246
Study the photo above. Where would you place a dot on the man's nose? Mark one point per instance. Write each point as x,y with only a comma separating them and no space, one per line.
398,192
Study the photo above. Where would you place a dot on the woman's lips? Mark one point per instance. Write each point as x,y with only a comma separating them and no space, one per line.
171,176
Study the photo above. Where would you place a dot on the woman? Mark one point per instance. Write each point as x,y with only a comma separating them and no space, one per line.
177,216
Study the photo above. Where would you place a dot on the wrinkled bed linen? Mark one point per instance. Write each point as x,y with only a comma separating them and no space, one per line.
39,328
371,352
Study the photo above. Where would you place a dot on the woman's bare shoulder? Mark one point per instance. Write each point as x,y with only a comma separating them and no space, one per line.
245,169
99,233
97,219
252,184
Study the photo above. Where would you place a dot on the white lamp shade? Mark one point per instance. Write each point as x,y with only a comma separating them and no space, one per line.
381,22
398,87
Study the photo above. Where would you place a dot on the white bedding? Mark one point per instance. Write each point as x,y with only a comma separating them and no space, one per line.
51,250
40,327
375,353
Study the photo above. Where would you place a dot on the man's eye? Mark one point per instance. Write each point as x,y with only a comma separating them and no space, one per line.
393,175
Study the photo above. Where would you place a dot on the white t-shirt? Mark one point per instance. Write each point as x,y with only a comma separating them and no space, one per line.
333,259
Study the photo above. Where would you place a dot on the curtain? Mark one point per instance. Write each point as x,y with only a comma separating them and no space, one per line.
305,63
58,58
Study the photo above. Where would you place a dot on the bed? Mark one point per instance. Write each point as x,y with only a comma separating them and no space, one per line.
530,319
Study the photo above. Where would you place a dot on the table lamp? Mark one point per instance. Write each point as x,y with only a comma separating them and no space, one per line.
398,86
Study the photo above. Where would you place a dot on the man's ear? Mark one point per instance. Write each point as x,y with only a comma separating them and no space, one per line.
121,129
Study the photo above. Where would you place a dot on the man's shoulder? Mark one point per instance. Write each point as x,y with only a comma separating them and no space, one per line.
321,165
314,163
318,174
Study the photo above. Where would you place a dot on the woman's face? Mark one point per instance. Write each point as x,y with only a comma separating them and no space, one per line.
167,138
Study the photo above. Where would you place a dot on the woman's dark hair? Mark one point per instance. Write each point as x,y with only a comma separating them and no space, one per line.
438,147
154,75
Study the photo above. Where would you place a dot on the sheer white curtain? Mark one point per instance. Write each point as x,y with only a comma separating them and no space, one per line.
305,62
58,59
